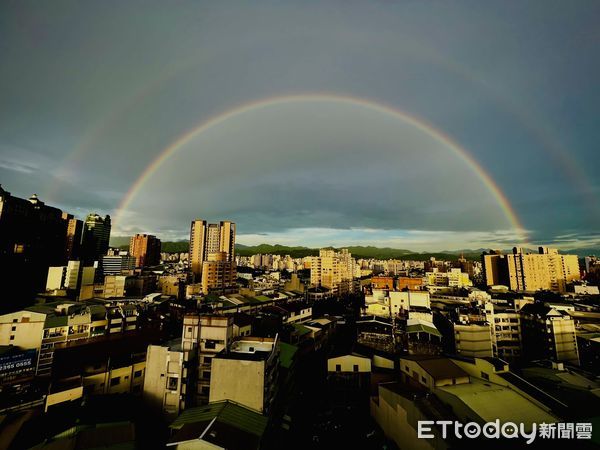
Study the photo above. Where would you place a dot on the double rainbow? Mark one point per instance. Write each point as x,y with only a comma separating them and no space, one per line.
254,106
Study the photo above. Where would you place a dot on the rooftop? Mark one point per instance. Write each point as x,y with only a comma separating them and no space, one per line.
439,368
491,401
421,326
568,393
226,424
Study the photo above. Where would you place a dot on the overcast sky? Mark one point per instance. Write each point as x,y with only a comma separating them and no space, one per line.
92,92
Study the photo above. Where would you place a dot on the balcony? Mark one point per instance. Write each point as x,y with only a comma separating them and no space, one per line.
51,339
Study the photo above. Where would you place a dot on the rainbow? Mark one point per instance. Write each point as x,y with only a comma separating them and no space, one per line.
253,106
538,129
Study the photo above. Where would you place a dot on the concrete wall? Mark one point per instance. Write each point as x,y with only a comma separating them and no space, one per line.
397,416
241,381
347,363
28,332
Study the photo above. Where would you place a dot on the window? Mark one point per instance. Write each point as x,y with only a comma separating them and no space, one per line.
115,381
205,390
485,376
12,338
172,383
206,375
15,320
210,345
355,367
137,374
423,380
338,367
189,329
13,328
406,368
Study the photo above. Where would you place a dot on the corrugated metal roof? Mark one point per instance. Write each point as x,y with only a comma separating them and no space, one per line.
422,328
226,412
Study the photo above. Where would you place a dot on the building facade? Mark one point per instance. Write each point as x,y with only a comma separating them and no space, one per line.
206,239
145,248
32,238
333,270
96,236
530,272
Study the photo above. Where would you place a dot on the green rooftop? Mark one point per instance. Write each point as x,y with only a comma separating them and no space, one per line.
226,412
301,329
286,354
421,328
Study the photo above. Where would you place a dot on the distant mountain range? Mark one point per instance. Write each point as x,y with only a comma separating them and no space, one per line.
366,252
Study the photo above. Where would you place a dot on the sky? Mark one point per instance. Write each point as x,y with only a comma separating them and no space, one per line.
369,126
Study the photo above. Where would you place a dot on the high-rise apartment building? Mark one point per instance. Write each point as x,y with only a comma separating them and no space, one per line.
531,272
145,248
206,239
331,269
96,235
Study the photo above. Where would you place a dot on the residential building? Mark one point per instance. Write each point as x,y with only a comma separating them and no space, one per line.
218,274
505,325
454,278
145,248
206,335
529,272
298,312
473,339
165,379
172,285
333,270
246,373
208,238
117,286
382,283
408,283
548,333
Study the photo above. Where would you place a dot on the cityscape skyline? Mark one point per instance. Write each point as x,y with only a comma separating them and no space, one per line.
303,225
443,148
413,240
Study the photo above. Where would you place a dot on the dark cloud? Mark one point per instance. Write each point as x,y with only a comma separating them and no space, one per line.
92,92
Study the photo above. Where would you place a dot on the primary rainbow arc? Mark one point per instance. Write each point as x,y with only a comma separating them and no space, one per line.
420,124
